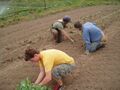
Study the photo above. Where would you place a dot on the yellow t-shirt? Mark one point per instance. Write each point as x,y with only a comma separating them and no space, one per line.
53,57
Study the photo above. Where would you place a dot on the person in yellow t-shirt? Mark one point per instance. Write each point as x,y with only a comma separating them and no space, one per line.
53,63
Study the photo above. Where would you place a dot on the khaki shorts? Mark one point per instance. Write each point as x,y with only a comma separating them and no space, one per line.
62,70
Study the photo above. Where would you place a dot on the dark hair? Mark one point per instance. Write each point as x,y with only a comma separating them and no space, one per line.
78,25
29,53
59,36
66,19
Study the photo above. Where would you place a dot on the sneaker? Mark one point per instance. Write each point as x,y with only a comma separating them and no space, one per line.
56,87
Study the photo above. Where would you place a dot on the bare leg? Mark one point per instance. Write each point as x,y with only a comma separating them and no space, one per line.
54,33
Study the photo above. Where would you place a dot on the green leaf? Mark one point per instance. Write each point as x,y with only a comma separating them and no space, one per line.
27,85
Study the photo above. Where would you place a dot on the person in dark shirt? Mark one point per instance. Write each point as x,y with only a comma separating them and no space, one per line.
58,31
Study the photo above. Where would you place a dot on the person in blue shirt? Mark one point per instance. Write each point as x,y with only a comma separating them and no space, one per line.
92,35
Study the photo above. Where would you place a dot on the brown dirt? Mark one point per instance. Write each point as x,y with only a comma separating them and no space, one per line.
98,71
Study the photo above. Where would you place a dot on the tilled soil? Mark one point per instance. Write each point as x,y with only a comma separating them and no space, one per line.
98,71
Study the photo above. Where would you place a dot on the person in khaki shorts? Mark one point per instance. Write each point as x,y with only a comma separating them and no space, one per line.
54,64
93,37
57,29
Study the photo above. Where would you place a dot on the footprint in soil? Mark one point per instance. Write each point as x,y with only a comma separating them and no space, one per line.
8,60
20,57
86,57
25,42
7,48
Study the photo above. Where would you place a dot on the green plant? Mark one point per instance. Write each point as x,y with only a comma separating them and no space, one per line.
27,85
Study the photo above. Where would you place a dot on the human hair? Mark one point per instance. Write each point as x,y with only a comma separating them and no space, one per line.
29,53
78,25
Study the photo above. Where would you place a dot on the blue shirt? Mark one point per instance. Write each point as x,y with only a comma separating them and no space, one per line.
91,33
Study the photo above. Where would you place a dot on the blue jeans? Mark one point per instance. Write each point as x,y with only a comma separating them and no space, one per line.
94,46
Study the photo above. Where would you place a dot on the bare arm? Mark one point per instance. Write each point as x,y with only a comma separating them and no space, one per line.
40,76
47,78
67,36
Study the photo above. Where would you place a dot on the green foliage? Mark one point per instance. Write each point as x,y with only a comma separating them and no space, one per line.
27,85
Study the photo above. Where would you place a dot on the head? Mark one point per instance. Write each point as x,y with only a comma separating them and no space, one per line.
32,55
66,19
78,25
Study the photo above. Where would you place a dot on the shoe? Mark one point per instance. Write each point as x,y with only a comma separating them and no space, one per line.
57,87
101,45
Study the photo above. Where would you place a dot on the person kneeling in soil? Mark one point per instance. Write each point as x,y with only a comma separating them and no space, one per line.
57,29
92,35
53,63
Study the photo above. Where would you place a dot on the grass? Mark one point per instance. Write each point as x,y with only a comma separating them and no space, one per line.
24,10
